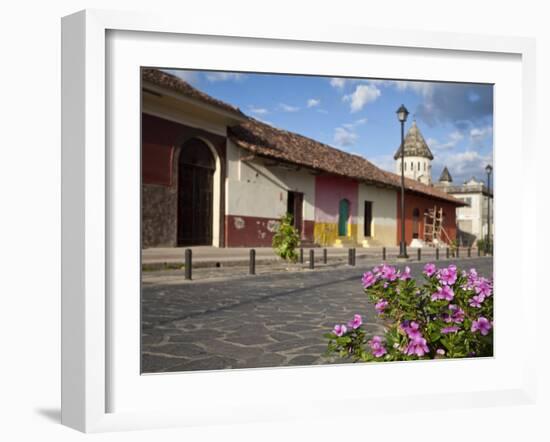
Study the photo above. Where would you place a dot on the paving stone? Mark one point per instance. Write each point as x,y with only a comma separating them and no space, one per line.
209,363
155,364
303,360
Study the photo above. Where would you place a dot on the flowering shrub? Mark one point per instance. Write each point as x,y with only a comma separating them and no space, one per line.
449,315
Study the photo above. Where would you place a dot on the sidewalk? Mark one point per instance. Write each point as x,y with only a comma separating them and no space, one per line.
159,258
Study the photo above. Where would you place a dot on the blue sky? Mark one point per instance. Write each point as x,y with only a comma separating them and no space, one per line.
358,115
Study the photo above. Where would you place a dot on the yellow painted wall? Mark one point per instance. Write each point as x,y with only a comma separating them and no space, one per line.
326,234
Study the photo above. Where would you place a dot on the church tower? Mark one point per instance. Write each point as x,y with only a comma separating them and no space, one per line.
417,157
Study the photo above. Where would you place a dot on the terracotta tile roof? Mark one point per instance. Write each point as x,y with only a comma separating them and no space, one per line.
279,144
169,81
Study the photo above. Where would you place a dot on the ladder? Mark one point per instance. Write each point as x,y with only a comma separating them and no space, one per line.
434,232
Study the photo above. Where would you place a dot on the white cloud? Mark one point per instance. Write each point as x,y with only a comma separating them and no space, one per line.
313,102
363,94
224,76
480,133
463,165
384,162
257,110
355,123
453,139
322,111
422,88
287,108
338,83
344,137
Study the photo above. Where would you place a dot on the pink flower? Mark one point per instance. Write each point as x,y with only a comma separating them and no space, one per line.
440,352
368,280
356,322
444,292
448,276
417,346
339,329
388,272
377,347
457,314
483,325
476,301
412,329
483,287
406,274
430,269
452,329
380,306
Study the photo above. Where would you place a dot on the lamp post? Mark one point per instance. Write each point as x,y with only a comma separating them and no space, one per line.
402,114
489,170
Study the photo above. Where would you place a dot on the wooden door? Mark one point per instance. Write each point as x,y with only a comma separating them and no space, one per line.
195,194
343,216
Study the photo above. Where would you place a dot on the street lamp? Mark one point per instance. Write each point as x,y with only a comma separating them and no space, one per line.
489,170
402,114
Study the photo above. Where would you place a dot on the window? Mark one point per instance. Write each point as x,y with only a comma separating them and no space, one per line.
419,166
424,167
468,201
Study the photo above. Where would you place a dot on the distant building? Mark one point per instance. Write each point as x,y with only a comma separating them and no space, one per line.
472,219
417,159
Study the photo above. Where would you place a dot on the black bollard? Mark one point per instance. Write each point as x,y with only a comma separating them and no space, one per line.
419,254
301,256
252,264
469,252
458,252
350,257
324,256
188,263
447,253
354,255
383,253
478,251
311,259
437,253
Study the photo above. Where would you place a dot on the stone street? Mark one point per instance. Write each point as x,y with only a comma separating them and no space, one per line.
268,320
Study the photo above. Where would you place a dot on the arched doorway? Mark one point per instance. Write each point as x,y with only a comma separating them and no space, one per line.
196,167
343,217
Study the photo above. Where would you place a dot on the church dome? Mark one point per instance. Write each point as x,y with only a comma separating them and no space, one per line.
415,145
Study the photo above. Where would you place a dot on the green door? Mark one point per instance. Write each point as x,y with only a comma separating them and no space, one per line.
343,215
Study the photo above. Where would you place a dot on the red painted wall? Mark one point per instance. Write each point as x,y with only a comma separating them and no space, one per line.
253,231
329,190
423,203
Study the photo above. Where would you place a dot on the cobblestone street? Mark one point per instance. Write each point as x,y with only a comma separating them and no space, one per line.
271,319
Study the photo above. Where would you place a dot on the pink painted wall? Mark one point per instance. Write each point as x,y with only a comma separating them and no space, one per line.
329,190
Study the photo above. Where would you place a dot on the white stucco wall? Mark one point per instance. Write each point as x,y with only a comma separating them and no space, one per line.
416,168
476,213
252,189
384,214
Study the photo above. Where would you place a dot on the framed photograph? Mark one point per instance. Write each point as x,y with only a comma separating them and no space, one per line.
252,215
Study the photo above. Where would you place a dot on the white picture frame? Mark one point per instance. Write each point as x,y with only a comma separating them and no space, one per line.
88,316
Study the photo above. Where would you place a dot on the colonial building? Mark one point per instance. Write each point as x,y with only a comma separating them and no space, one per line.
213,176
473,217
417,158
